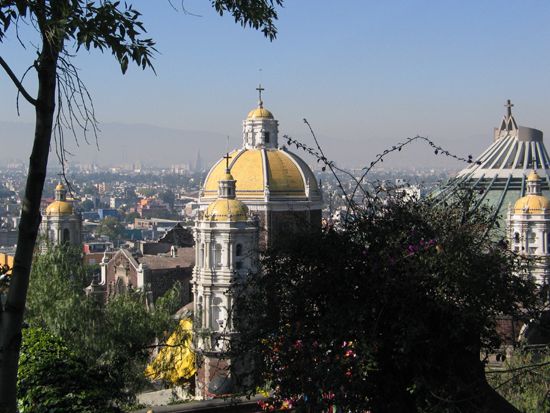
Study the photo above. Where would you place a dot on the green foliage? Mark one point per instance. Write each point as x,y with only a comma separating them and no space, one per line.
104,25
524,380
168,197
56,285
115,338
130,217
86,205
110,227
53,378
388,314
259,14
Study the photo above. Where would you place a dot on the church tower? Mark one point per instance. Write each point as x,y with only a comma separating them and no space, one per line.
226,243
60,223
529,229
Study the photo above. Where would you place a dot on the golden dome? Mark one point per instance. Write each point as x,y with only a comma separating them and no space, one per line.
282,172
533,176
59,187
532,204
260,113
59,208
224,209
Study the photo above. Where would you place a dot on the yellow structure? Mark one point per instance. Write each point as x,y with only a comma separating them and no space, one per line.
260,113
6,259
223,209
61,223
283,174
533,203
60,208
176,361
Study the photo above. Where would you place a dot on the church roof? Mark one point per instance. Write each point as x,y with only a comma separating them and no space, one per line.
500,173
224,209
279,171
185,258
260,113
532,204
60,208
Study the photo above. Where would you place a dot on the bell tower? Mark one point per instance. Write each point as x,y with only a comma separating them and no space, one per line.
226,244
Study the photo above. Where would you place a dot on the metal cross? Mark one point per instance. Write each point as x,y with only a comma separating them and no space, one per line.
260,89
227,158
509,107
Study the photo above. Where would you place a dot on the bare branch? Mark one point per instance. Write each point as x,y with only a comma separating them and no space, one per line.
17,83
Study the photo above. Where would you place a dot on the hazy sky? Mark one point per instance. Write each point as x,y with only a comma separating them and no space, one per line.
364,73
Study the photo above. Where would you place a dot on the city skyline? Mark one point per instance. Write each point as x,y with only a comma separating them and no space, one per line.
365,74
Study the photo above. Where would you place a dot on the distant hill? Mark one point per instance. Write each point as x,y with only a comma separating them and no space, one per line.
123,143
153,145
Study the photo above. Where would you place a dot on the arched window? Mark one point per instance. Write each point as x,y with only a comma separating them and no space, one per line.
201,255
266,137
218,256
239,250
66,237
516,237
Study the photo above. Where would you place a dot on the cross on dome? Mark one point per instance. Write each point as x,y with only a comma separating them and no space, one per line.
227,158
509,106
260,101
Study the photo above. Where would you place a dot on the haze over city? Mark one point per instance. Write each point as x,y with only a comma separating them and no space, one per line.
366,75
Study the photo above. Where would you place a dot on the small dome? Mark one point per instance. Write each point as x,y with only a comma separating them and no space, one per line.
224,209
59,187
60,208
260,113
532,204
533,176
227,177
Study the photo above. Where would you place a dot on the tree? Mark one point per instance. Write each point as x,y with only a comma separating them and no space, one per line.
388,314
524,379
63,27
110,227
87,205
53,378
115,338
168,197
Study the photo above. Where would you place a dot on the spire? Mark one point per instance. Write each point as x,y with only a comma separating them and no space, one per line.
260,101
508,123
509,106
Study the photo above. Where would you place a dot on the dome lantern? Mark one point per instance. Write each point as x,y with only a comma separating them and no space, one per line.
226,185
260,129
533,184
60,192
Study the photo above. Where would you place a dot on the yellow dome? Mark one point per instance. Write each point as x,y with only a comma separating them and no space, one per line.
228,177
533,176
59,208
260,113
224,209
286,175
532,204
59,187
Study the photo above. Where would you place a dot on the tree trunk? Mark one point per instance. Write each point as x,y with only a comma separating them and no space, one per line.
11,319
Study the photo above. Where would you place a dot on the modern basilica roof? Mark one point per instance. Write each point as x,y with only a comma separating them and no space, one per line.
500,172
